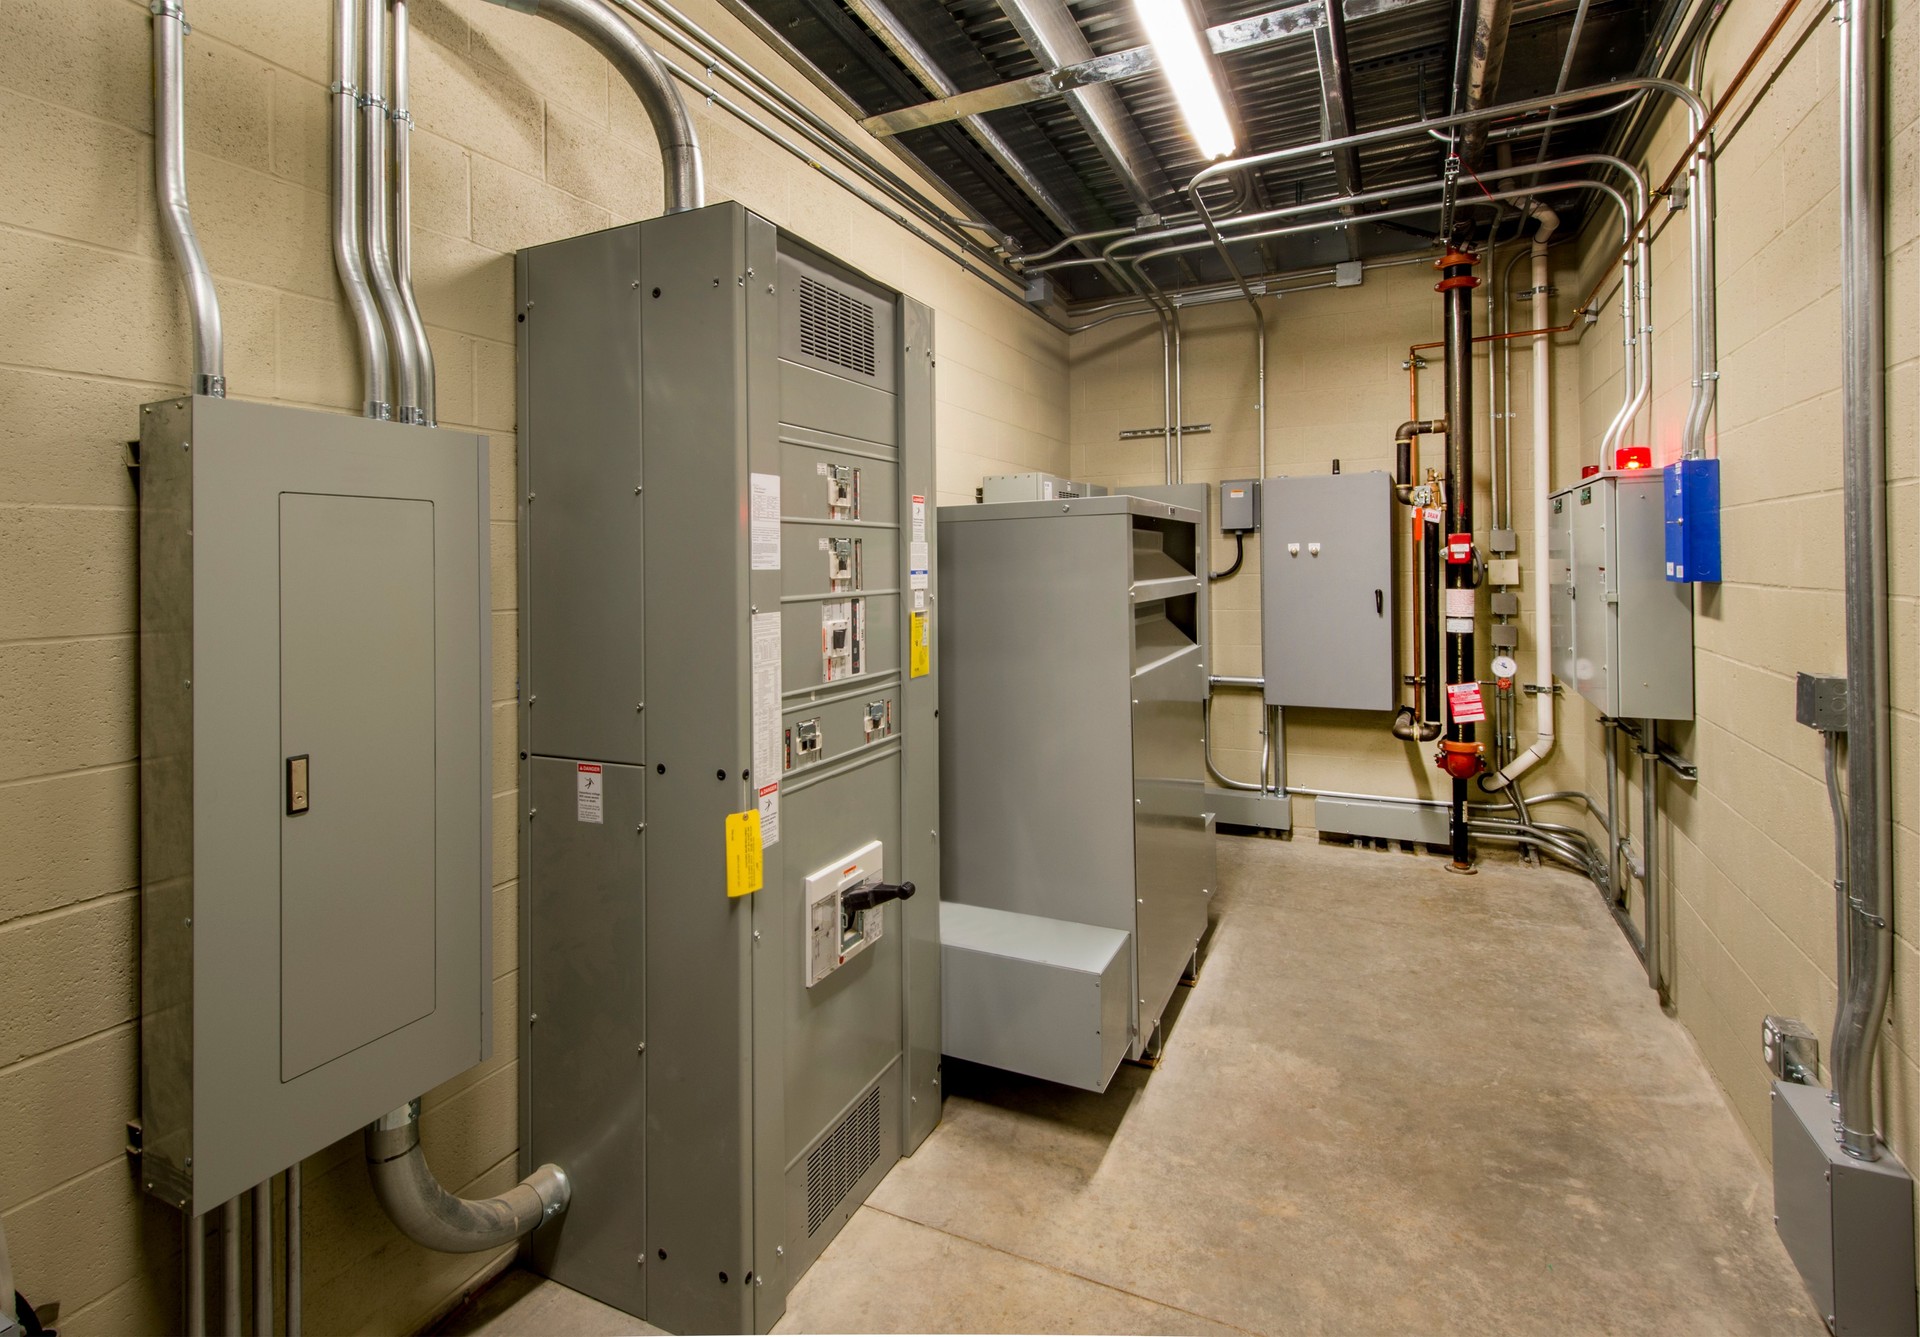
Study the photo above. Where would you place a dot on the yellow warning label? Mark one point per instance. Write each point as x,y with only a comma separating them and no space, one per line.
919,652
743,852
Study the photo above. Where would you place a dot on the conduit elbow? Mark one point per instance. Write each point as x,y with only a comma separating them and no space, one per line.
432,1217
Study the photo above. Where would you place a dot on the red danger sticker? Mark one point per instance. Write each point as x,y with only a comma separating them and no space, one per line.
1464,703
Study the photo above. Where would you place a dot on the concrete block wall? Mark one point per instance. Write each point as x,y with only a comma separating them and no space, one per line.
523,137
1750,845
1336,389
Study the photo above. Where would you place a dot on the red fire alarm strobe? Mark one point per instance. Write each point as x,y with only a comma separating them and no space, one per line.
1633,457
1589,470
1459,548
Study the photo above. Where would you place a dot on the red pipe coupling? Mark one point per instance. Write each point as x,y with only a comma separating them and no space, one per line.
1462,761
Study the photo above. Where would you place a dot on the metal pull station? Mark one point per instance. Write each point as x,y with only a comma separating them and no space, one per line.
866,898
297,785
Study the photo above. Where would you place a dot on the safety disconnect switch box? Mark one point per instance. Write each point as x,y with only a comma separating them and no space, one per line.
315,730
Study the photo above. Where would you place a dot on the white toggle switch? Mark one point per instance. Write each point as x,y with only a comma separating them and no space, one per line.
1293,550
1313,549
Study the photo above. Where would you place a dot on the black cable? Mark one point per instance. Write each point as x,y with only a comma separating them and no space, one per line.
1239,556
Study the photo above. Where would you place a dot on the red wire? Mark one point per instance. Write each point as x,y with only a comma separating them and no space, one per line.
1476,179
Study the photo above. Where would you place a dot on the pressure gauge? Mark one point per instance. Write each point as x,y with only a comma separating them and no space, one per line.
1504,667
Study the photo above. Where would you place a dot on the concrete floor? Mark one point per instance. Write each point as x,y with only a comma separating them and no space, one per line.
1397,1101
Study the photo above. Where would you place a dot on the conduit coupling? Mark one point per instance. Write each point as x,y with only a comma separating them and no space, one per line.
429,1215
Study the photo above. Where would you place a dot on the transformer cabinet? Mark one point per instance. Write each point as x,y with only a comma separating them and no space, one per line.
1077,850
731,1024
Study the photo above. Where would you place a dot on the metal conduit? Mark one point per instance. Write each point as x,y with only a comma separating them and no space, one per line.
377,213
262,1200
597,24
196,1258
424,392
429,1215
295,1213
170,191
1864,475
230,1269
349,262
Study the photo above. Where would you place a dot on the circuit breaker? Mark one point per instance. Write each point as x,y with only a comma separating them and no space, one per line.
1622,633
728,609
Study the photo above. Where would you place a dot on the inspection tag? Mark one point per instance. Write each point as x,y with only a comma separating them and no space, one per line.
919,649
1464,703
743,852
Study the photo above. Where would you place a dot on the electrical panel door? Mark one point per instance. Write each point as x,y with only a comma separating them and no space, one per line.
1326,591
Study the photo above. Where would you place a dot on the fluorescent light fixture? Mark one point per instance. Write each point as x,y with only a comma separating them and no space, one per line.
1176,45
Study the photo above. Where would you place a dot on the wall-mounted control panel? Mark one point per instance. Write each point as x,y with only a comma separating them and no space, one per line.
1326,591
1239,505
1622,632
846,909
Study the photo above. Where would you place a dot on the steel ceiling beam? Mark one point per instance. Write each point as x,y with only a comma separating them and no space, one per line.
1300,19
1054,36
885,25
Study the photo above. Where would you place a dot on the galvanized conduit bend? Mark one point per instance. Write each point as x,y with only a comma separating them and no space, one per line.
429,1215
424,392
376,210
596,23
170,190
349,260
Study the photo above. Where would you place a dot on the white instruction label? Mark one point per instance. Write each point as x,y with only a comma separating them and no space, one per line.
1460,603
1459,625
766,722
919,534
589,800
765,516
916,566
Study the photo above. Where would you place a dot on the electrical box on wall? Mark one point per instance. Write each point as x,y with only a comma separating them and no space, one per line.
1239,505
1692,491
315,791
1622,633
1326,591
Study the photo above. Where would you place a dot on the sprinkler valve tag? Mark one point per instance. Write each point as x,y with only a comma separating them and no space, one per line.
1464,703
1459,549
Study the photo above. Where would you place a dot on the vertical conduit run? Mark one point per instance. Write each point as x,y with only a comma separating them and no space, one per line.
1863,453
293,1261
349,259
230,1267
196,1288
402,120
379,218
1460,751
262,1195
170,189
1650,855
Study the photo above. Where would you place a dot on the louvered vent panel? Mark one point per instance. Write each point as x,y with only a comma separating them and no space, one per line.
836,328
848,1152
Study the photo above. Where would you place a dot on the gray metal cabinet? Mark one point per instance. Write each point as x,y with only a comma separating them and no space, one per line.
315,789
1326,591
726,451
1071,768
1622,633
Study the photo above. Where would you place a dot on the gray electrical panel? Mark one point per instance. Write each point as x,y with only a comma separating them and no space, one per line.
1622,633
1239,505
727,617
315,792
1326,591
1072,780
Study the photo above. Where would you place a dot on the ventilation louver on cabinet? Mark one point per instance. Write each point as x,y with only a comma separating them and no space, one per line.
836,328
837,1164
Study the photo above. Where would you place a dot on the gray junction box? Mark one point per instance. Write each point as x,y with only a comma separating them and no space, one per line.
1622,632
315,743
726,606
1072,780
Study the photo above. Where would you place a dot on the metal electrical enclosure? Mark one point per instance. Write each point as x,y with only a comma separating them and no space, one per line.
727,608
1622,632
315,787
1072,780
1326,591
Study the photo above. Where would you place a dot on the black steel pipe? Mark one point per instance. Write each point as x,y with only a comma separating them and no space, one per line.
1456,289
1433,645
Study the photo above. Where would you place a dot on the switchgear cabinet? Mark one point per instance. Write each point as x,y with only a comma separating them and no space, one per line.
1622,632
1075,828
727,617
